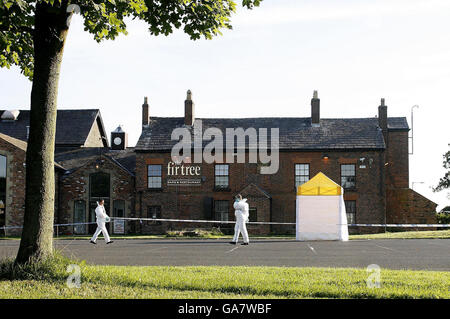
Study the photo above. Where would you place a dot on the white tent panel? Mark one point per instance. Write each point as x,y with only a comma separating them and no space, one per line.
321,218
318,217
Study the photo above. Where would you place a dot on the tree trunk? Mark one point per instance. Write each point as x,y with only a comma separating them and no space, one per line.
49,38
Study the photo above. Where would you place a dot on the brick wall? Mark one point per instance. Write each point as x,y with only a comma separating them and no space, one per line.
406,206
15,186
397,170
187,202
75,186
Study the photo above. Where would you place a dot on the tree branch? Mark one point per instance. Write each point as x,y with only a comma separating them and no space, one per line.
21,28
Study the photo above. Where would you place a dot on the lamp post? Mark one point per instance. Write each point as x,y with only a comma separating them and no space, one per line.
412,128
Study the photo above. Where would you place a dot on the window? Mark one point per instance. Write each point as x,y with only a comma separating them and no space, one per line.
154,173
348,176
3,163
221,210
154,212
118,211
221,176
350,208
79,216
119,208
252,217
301,174
99,185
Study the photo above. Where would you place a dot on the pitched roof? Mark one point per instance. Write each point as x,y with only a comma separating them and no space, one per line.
21,145
14,141
72,126
72,160
398,124
254,190
294,133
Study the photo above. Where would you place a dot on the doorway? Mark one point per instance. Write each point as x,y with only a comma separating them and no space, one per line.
99,188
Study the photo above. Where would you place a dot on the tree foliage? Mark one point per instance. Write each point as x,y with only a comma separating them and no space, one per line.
444,182
107,19
32,37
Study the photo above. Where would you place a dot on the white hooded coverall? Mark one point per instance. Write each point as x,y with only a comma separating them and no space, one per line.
241,213
100,213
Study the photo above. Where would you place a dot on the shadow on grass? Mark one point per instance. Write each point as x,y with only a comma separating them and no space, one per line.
53,270
245,289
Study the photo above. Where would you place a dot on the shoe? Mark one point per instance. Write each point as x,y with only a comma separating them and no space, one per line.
93,242
110,242
244,244
233,243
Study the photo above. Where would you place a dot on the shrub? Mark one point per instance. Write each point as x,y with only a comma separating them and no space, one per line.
198,232
443,218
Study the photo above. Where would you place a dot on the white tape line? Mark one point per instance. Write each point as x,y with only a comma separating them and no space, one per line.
199,221
275,223
251,223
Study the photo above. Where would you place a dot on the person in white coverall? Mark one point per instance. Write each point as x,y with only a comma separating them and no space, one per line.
102,218
241,212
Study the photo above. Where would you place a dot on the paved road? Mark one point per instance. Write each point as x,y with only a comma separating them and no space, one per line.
428,254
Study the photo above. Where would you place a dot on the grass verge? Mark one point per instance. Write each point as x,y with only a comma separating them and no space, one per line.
48,280
429,234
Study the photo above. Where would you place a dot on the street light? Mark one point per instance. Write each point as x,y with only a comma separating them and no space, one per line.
412,128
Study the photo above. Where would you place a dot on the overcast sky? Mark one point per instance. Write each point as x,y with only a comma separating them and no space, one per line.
352,52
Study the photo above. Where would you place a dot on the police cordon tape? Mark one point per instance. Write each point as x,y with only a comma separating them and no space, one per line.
273,223
233,222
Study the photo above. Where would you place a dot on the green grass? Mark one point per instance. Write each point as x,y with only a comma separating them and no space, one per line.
429,234
48,280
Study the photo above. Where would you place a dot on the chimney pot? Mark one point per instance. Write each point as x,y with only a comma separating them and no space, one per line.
315,109
145,112
382,118
189,107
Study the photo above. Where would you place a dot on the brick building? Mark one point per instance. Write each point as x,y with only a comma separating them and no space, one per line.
367,156
75,129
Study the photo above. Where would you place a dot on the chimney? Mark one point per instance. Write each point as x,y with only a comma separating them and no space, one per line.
382,118
145,114
189,109
315,110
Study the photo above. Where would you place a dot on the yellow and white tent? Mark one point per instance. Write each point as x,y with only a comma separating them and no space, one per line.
320,210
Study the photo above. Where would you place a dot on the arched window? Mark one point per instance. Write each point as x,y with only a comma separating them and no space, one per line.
3,170
99,188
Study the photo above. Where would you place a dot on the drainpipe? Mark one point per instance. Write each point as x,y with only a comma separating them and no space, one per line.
140,211
58,211
383,191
